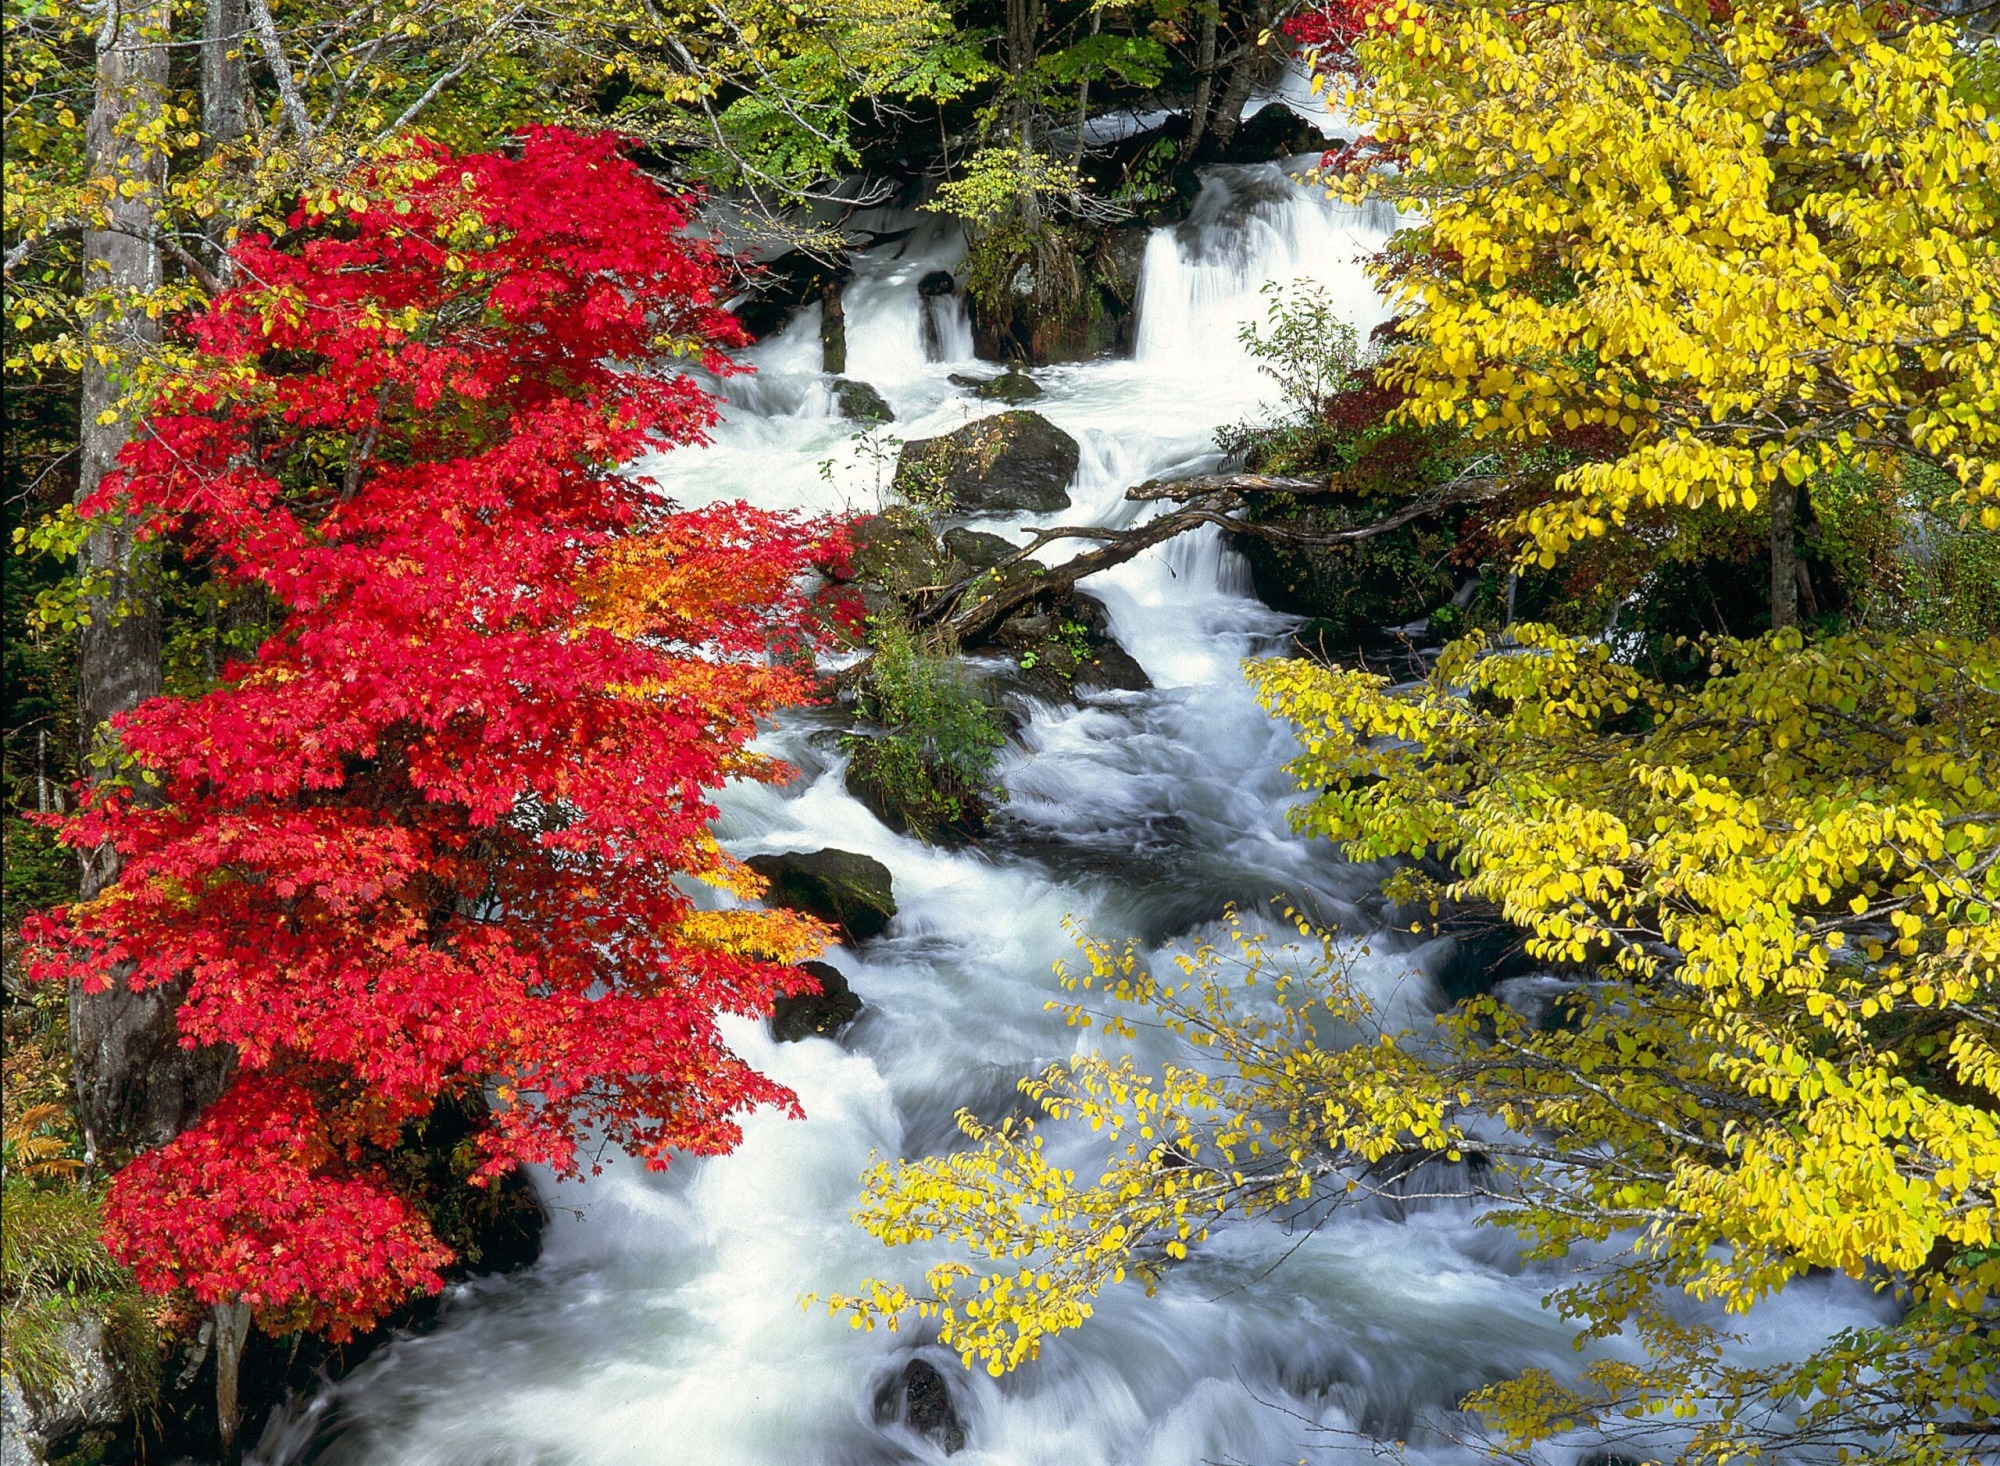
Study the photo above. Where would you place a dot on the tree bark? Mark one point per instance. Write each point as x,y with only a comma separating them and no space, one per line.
1784,555
224,108
1242,76
232,1332
224,117
1024,26
1204,86
832,329
135,1086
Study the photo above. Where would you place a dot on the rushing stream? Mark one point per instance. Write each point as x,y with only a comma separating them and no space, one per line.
663,1323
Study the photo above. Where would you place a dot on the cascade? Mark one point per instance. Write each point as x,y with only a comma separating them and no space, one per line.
662,1324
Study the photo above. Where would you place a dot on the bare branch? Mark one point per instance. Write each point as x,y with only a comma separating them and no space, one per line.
281,69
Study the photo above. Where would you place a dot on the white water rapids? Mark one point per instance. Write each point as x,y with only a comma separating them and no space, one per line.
662,1324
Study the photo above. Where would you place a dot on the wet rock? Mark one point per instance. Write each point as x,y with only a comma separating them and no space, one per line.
1121,257
1064,645
895,550
92,1396
1273,132
1013,387
824,1013
1005,464
975,549
860,402
935,284
1025,628
920,1399
852,891
1110,667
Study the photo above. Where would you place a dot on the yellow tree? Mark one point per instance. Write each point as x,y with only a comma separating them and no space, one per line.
1754,242
1753,248
1779,1049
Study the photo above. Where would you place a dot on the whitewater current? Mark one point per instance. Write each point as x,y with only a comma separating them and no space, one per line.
663,1325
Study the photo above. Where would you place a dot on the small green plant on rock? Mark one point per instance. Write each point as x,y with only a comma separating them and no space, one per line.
68,1313
928,769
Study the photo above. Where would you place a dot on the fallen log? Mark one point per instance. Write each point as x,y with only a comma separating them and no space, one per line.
1216,500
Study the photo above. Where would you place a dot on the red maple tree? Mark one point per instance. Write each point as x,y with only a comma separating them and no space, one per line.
439,836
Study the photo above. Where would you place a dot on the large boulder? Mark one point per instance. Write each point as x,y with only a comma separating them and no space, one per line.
823,1014
852,891
1005,464
89,1397
920,1399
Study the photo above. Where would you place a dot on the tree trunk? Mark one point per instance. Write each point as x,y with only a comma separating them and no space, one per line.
1784,555
135,1086
1083,98
1204,86
232,1332
1024,24
224,110
832,329
1242,76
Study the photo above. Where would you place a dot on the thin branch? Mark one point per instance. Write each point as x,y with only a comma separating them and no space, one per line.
281,69
472,54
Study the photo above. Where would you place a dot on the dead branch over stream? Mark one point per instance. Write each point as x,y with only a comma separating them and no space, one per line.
1218,499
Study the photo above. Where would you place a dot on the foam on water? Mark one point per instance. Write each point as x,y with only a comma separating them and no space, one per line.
662,1323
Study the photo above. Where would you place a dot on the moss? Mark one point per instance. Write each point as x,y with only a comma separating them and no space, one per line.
927,769
57,1283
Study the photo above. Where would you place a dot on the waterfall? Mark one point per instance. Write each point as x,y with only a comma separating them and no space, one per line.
662,1323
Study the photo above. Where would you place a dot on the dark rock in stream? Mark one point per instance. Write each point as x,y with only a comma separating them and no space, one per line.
935,284
920,1398
1066,645
1004,464
1014,387
895,551
975,549
860,402
822,1014
851,891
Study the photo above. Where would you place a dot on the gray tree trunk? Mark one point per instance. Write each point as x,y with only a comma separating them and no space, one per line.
232,1332
1024,31
135,1086
1784,555
224,106
1243,76
1204,86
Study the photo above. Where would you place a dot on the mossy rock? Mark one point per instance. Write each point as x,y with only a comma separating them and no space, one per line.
860,402
854,892
975,549
926,802
897,551
1004,464
1012,387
